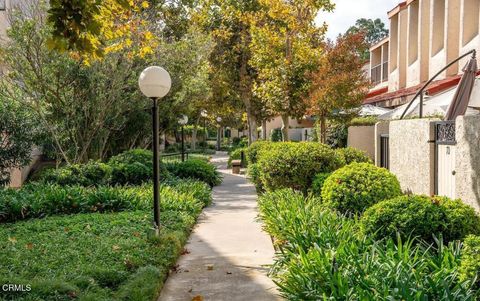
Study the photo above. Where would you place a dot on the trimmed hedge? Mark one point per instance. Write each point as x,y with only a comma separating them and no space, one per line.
470,264
355,187
255,148
422,217
352,155
294,165
195,169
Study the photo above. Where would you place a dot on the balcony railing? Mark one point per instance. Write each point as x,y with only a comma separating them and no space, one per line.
379,73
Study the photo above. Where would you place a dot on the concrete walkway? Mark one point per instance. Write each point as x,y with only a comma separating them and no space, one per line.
227,251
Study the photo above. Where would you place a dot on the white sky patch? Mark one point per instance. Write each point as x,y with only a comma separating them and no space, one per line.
348,11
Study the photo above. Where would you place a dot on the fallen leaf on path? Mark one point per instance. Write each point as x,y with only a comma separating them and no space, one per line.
197,298
209,267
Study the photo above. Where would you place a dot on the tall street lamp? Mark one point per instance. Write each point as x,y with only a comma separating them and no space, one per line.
155,83
183,120
219,136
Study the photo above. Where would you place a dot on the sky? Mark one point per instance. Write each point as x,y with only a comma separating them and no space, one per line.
348,11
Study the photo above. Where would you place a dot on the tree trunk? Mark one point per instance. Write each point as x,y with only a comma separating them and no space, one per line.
285,127
218,138
194,137
264,130
323,129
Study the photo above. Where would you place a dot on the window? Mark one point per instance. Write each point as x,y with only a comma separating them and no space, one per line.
3,4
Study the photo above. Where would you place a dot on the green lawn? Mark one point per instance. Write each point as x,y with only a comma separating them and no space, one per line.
91,256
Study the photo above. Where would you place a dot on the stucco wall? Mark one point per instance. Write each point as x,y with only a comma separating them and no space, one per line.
19,175
412,155
467,163
381,128
363,138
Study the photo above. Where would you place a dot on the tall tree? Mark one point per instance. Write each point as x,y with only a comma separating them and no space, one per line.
285,48
340,84
229,22
373,30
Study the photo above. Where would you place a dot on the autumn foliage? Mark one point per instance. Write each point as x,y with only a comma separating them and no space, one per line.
340,84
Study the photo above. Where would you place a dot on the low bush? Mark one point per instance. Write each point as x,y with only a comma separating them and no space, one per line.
90,174
422,217
294,165
326,256
364,121
355,187
353,155
255,148
470,264
195,169
318,182
254,174
42,200
237,155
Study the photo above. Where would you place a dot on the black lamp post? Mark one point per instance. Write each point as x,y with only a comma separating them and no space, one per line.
183,121
155,83
219,135
204,114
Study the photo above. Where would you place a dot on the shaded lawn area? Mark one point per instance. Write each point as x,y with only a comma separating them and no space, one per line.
91,256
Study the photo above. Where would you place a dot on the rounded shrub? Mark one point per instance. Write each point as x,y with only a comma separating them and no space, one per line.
294,165
195,169
470,262
355,187
352,155
318,182
421,217
254,150
254,176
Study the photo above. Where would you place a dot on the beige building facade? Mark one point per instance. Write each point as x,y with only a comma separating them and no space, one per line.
425,35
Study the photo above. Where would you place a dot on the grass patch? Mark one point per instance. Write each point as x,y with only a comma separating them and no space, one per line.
92,256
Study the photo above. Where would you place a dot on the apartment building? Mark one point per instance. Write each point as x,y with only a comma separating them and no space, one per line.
425,35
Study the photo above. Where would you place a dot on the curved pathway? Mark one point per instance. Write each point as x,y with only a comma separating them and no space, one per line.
227,254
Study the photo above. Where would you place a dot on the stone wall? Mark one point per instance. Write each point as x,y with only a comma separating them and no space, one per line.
412,154
467,163
363,138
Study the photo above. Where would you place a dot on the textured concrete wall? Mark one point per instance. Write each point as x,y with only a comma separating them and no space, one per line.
467,163
363,138
412,155
381,128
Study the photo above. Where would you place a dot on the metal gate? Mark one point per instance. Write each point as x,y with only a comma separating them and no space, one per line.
445,145
384,152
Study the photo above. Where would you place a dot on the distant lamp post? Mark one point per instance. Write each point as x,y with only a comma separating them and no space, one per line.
183,120
204,114
155,83
219,136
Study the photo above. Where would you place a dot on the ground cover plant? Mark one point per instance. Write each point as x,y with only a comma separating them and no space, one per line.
323,255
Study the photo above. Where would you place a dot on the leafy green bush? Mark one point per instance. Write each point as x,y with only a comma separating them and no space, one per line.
276,135
237,155
318,182
41,200
352,155
364,121
253,173
254,149
92,173
421,216
294,165
326,256
196,169
470,265
142,156
355,187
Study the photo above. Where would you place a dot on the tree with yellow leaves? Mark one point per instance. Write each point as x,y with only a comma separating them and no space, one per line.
286,47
